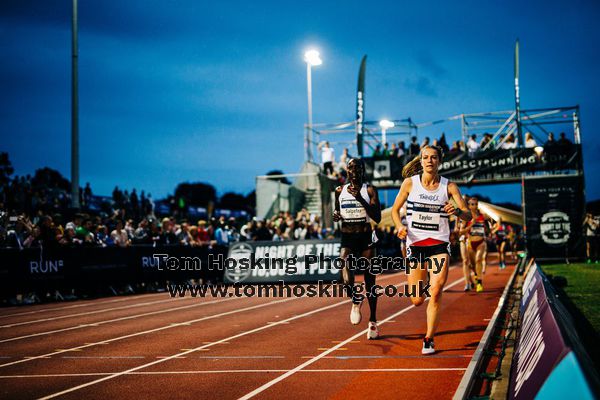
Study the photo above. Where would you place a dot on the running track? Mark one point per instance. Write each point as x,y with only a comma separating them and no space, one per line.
152,346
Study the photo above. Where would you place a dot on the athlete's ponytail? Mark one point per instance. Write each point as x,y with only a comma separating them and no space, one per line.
414,167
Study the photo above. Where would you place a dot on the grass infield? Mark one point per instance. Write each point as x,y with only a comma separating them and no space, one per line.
583,287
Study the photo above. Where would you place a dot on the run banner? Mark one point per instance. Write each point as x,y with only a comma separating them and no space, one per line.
271,262
493,166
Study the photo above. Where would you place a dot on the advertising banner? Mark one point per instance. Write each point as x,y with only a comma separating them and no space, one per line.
271,262
553,217
490,166
539,348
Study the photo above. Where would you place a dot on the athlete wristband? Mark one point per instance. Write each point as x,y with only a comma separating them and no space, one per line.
458,212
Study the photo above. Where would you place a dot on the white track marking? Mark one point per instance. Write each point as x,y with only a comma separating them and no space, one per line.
331,349
108,321
200,348
267,326
174,325
91,312
88,304
242,371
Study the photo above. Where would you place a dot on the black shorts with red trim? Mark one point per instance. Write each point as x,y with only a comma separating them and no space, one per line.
423,252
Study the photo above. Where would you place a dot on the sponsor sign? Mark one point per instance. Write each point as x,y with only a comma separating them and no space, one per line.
270,262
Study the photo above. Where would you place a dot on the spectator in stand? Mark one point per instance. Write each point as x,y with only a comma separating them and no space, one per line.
327,157
247,231
443,143
487,138
425,142
550,142
130,228
87,194
563,141
262,232
414,148
510,142
167,236
142,234
221,235
455,149
401,149
84,232
530,142
117,196
377,153
34,238
232,232
386,150
135,205
102,237
278,235
462,146
472,145
394,151
76,223
119,235
344,159
183,234
591,227
68,238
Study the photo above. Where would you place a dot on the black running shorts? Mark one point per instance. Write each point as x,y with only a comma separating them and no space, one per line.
423,252
357,242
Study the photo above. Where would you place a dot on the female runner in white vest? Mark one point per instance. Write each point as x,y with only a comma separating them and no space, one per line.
356,204
428,233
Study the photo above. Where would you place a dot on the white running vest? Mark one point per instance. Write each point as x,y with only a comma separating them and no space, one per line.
425,212
350,209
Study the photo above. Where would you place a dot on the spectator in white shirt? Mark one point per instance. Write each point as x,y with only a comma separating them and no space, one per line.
327,157
472,145
119,235
530,141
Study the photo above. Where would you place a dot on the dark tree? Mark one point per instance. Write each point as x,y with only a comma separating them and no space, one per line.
234,201
282,179
196,194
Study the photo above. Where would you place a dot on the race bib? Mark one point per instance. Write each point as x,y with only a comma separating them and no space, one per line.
352,211
425,220
478,231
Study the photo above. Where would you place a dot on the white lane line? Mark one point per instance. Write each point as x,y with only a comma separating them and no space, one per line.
242,371
108,321
331,349
93,324
89,303
170,326
91,312
200,348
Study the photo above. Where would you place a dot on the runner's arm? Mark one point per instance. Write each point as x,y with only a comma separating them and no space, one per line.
461,211
398,203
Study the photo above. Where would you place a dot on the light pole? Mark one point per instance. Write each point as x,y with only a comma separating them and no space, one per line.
74,112
311,57
385,125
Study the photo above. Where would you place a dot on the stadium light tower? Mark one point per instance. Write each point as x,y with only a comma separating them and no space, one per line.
74,112
385,125
312,58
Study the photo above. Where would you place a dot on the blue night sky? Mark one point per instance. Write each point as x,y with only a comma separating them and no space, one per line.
174,91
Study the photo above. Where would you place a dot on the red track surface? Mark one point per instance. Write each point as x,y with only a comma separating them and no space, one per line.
152,346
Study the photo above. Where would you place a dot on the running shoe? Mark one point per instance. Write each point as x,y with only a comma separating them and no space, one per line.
373,332
467,287
355,316
589,261
479,288
502,265
428,347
